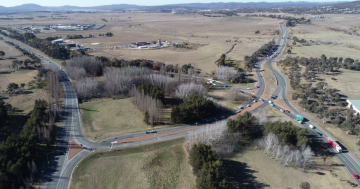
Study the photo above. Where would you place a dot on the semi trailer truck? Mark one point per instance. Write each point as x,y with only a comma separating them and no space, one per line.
334,144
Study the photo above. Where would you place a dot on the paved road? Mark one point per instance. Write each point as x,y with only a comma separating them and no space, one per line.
351,164
60,169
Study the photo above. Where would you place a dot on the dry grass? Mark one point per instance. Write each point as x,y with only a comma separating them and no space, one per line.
209,33
220,94
316,32
111,117
159,165
11,54
270,81
263,170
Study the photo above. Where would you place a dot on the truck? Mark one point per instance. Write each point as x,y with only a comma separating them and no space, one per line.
299,118
334,144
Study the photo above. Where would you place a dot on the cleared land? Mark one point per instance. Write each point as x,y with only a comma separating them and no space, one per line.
269,78
254,169
159,165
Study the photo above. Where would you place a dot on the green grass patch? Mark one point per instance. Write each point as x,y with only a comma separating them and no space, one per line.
111,117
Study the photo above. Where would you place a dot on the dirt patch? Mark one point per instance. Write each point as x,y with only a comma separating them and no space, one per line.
252,92
74,149
281,103
266,96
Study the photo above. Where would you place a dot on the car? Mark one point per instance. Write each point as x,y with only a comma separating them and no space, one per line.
355,176
115,137
271,104
275,97
287,111
196,123
261,100
281,110
258,86
252,96
241,107
153,131
248,105
319,133
255,101
248,88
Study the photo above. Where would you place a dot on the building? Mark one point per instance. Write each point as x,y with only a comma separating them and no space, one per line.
57,41
355,105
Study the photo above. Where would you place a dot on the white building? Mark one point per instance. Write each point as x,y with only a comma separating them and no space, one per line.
355,105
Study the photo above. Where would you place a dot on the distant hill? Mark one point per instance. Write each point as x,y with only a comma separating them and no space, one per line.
351,5
35,7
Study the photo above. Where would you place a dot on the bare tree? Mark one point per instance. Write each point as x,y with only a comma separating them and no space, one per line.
91,65
223,73
116,81
86,87
232,94
188,89
76,72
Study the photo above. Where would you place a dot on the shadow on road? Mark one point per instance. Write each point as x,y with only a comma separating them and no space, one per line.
239,175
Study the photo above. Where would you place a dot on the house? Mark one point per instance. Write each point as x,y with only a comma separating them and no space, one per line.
355,105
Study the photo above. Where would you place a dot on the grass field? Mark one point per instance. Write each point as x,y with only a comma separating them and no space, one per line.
11,54
258,169
269,78
111,117
317,32
158,165
208,34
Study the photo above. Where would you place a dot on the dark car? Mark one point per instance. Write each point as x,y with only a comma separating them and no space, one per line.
275,97
319,134
253,96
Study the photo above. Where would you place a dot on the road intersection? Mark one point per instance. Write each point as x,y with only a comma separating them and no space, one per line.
58,175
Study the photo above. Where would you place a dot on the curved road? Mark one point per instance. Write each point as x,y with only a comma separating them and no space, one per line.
58,175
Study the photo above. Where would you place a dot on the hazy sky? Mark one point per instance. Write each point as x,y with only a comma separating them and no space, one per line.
88,3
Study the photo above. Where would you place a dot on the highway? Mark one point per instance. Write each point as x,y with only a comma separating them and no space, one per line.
58,174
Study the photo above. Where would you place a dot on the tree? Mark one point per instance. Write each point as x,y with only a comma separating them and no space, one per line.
2,54
192,109
146,117
305,185
294,42
22,85
224,73
289,51
12,86
187,90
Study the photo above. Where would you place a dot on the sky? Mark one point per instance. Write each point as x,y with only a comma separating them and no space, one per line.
89,3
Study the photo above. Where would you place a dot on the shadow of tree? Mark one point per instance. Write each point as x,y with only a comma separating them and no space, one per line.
239,175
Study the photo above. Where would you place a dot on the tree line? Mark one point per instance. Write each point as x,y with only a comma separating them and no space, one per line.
53,50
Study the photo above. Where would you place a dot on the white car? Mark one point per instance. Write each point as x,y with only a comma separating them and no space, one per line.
238,111
248,105
248,88
255,101
281,110
271,104
241,107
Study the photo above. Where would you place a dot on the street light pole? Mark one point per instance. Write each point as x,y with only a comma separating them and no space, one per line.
48,157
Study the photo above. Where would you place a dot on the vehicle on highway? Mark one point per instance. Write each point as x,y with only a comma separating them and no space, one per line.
248,89
248,105
238,111
270,102
287,111
258,86
311,126
196,123
334,144
261,100
255,101
274,97
319,133
272,105
355,176
281,110
252,96
240,107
